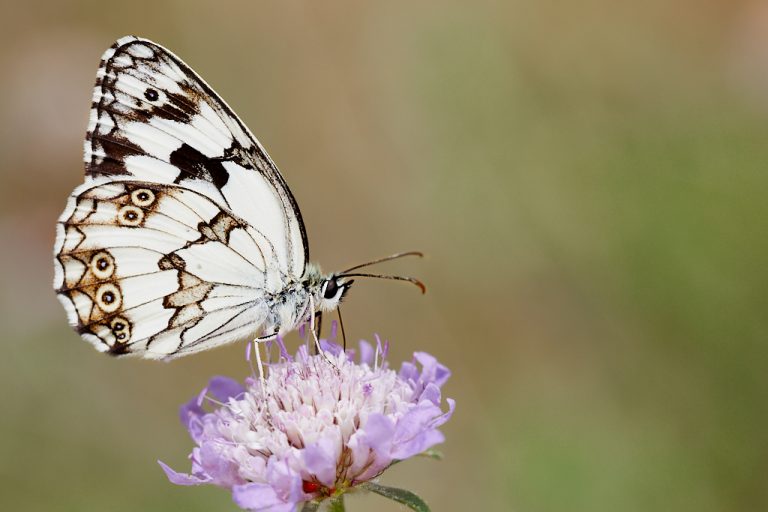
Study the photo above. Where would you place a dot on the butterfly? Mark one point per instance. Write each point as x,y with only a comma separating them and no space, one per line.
184,235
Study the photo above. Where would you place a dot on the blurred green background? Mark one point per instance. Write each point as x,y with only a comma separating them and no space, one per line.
588,179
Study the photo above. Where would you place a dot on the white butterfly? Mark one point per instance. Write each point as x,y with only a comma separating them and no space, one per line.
184,235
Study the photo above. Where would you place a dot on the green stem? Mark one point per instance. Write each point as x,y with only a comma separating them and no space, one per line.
310,506
336,504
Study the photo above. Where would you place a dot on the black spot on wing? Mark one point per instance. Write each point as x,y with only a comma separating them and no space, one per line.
119,349
109,153
241,156
194,164
172,261
177,107
219,228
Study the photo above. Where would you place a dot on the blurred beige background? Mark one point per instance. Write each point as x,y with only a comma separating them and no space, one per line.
588,179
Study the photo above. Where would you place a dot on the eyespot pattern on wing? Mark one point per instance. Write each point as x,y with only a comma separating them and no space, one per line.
184,262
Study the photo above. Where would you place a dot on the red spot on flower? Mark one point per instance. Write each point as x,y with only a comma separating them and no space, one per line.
310,487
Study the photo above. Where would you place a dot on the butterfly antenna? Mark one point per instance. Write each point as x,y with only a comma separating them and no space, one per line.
386,258
412,280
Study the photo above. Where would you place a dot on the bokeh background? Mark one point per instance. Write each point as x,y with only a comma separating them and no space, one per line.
588,179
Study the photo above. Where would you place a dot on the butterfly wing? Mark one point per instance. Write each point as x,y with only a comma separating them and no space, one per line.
158,270
154,119
150,257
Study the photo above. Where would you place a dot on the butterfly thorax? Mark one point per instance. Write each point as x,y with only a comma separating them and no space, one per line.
294,304
287,309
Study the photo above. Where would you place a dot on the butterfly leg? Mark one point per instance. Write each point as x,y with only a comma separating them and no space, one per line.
266,337
319,324
312,316
257,348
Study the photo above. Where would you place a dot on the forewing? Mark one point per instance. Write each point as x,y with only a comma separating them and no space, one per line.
158,270
154,119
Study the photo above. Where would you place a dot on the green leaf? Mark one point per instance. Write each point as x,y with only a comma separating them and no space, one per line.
407,498
310,506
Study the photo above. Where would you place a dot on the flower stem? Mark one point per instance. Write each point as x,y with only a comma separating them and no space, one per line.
336,504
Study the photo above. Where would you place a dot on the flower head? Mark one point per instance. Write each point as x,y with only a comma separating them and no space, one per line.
319,426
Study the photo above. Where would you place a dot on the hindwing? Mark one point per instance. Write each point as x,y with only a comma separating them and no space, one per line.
160,270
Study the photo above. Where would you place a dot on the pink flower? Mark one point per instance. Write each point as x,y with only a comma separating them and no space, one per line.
322,425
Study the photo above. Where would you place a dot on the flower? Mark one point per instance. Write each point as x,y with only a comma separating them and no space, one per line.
319,426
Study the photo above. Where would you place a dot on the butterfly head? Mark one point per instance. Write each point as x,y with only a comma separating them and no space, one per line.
329,290
332,291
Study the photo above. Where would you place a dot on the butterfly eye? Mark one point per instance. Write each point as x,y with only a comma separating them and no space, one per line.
330,288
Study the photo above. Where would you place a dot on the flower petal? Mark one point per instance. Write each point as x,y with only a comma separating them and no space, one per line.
383,349
189,415
224,388
432,371
261,497
375,440
409,372
379,430
417,444
320,458
285,481
366,353
446,415
182,478
432,393
414,432
330,347
283,351
216,461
